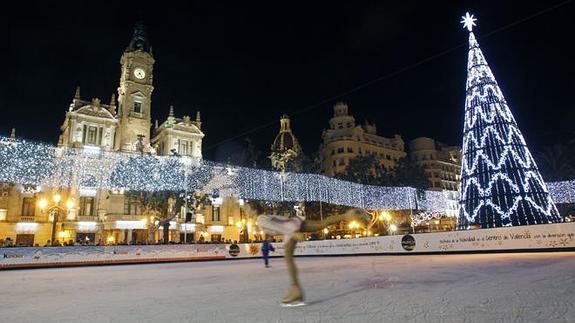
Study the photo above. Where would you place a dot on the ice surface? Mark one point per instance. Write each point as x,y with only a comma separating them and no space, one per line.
530,287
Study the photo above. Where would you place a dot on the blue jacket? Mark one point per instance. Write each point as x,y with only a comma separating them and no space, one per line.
267,247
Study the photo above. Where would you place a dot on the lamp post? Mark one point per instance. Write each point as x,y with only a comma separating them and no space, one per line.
217,201
54,209
353,225
384,217
244,237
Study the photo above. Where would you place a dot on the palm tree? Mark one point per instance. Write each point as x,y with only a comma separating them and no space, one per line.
555,163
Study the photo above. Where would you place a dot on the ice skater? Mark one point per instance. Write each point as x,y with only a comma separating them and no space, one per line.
266,248
292,228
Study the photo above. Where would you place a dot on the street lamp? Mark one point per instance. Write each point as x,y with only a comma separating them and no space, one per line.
353,225
54,209
385,217
244,229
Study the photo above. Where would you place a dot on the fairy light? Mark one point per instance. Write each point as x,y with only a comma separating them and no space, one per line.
36,164
501,185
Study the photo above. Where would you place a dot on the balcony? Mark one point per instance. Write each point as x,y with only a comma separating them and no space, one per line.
87,218
125,217
27,218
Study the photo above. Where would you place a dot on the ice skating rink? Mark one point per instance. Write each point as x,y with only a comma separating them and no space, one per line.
527,287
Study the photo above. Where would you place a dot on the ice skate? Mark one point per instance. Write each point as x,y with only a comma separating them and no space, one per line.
293,298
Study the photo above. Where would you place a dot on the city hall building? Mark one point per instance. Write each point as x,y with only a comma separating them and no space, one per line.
100,216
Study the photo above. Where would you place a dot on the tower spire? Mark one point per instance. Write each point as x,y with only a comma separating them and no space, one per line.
139,40
77,94
112,107
500,182
198,120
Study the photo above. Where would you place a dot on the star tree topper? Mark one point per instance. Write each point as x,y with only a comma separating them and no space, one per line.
468,21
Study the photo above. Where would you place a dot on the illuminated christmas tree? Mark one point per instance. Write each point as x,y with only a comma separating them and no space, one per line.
500,183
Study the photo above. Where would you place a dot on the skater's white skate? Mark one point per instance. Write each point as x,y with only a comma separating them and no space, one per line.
294,304
294,297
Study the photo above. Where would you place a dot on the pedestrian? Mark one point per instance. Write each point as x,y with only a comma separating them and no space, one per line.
266,248
8,242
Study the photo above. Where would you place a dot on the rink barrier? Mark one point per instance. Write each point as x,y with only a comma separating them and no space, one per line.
547,237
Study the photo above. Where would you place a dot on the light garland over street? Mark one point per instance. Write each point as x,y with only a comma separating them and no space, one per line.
28,163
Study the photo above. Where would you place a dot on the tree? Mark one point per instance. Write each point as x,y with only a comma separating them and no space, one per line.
161,206
369,170
366,170
157,185
247,156
408,173
555,163
500,185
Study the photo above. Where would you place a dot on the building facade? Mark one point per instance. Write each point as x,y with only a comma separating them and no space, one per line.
441,163
88,214
442,166
345,140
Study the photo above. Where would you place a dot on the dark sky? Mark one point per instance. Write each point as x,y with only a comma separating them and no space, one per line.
244,64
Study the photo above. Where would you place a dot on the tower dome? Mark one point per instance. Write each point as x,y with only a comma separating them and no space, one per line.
285,139
285,146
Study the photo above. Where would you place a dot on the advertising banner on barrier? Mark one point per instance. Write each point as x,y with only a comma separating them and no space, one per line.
536,237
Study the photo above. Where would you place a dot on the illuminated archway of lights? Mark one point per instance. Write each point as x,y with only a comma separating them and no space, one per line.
500,185
30,163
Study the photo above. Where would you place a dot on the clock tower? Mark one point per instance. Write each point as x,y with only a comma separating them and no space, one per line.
135,94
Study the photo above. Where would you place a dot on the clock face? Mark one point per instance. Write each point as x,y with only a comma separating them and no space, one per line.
139,73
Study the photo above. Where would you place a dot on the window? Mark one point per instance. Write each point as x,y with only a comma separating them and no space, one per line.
349,150
92,135
138,107
215,213
86,206
184,147
216,237
339,125
332,152
160,149
24,240
131,206
341,162
28,206
340,150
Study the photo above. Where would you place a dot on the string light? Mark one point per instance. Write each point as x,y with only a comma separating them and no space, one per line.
501,185
34,164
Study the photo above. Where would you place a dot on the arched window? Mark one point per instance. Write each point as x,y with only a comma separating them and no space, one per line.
138,107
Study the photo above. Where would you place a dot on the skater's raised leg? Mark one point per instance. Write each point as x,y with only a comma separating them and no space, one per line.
295,294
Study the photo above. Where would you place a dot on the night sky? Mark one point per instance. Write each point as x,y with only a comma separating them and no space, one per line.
244,64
